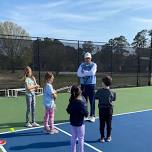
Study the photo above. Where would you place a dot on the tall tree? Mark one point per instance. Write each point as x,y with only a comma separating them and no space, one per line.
140,39
119,51
120,41
14,41
88,47
150,34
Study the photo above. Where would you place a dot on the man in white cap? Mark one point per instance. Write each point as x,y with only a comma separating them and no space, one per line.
87,74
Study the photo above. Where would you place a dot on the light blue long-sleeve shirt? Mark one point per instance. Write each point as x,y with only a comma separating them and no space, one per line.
48,99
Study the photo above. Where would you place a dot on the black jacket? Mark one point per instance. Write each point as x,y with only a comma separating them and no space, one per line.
77,110
106,97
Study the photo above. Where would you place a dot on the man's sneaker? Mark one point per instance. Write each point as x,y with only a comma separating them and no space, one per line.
34,124
28,125
92,119
108,139
86,119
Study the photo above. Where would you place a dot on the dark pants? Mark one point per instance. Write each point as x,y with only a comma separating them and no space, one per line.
88,91
105,118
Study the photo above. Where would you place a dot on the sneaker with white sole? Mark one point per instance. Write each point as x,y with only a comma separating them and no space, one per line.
34,124
28,125
108,139
86,118
102,140
54,131
92,119
47,129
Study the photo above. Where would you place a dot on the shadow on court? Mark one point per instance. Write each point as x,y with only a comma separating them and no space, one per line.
41,145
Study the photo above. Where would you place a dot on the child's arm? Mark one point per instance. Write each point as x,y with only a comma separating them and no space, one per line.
84,109
113,96
86,113
68,109
54,94
97,95
31,87
36,85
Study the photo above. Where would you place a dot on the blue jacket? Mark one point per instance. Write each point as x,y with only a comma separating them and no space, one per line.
87,73
77,110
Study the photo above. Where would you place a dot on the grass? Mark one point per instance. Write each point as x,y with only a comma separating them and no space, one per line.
12,110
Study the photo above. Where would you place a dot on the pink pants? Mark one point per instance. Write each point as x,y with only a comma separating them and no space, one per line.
49,118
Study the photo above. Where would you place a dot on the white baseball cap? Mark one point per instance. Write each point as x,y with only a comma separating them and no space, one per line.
87,55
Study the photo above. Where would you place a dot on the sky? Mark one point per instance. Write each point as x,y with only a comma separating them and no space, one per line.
95,20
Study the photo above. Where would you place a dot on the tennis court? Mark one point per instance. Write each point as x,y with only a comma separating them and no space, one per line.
131,125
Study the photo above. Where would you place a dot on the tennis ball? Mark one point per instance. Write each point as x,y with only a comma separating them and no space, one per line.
12,129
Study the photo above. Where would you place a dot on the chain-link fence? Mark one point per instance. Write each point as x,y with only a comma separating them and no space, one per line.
127,66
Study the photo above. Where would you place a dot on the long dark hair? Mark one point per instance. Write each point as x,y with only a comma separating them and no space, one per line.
75,92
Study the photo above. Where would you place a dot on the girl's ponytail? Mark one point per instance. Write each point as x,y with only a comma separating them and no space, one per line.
75,92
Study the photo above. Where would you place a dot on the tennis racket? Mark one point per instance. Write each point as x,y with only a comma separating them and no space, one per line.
64,88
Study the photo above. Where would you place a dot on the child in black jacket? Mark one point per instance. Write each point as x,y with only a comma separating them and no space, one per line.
77,110
105,105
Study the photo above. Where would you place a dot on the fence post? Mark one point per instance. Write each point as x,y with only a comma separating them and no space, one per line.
78,60
38,57
150,61
111,60
138,68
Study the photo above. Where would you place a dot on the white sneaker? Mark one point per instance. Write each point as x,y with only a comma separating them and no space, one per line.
34,124
102,140
108,139
86,118
28,125
92,119
54,131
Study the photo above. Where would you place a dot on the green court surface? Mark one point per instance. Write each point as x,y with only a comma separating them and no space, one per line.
12,110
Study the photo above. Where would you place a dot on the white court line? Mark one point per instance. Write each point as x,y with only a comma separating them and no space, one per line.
7,132
121,114
92,147
3,149
134,112
62,123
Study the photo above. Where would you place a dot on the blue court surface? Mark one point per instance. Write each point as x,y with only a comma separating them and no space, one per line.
131,132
